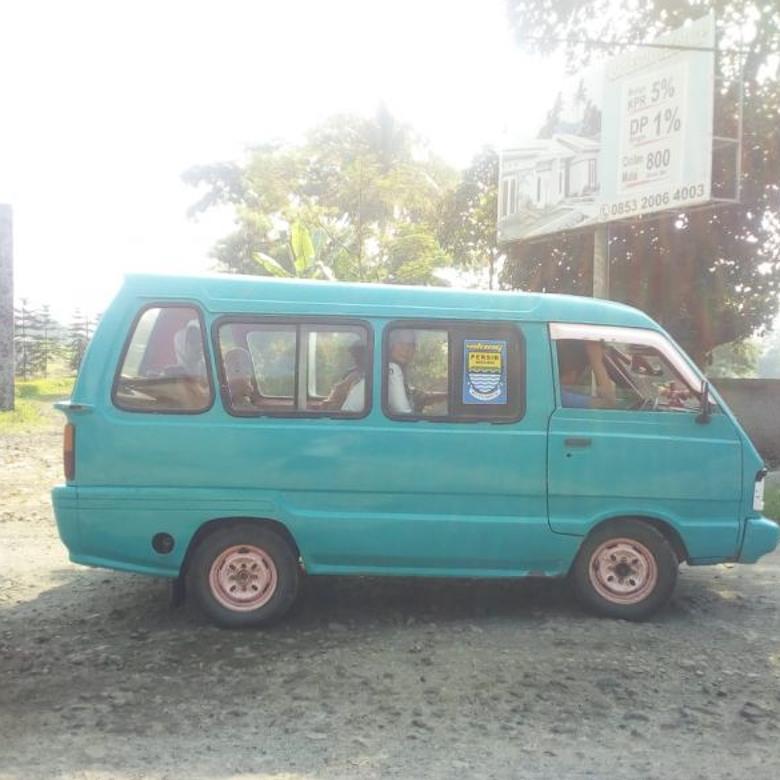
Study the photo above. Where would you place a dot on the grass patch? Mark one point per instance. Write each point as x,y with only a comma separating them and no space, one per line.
48,389
34,398
26,413
772,503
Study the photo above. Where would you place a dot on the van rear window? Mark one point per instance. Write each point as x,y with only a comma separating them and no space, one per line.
164,365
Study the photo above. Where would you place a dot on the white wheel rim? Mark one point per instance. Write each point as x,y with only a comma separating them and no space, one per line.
243,578
623,571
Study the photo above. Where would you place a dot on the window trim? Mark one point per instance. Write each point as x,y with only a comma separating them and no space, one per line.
624,335
178,304
318,323
449,326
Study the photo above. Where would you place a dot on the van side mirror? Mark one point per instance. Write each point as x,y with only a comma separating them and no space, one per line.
703,417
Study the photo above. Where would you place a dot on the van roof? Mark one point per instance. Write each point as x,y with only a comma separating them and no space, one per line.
232,293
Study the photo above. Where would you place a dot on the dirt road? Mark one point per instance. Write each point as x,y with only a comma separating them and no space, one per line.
371,678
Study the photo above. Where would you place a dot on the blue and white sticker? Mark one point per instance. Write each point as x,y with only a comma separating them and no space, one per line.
484,371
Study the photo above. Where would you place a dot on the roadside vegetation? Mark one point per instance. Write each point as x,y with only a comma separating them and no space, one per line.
772,503
34,399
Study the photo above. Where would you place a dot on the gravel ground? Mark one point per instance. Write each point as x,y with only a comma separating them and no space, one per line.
99,678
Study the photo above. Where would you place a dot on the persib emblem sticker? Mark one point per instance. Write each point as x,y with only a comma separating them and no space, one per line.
484,371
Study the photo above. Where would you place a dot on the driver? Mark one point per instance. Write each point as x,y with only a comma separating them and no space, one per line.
573,358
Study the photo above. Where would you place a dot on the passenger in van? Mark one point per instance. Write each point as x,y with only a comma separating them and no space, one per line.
183,384
239,377
403,345
188,348
348,394
401,397
574,357
355,399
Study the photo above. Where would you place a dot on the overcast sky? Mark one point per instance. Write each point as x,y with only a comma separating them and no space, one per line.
104,104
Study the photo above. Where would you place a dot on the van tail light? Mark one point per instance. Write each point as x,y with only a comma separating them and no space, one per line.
69,452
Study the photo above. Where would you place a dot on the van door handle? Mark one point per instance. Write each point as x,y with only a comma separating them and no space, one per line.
578,441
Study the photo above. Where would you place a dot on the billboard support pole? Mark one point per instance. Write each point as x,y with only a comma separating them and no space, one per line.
601,262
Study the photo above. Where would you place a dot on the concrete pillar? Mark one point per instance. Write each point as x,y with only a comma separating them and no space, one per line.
6,310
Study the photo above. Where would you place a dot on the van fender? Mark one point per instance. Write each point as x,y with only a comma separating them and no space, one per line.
220,522
665,524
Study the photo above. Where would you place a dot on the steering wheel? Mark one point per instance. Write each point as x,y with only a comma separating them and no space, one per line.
644,405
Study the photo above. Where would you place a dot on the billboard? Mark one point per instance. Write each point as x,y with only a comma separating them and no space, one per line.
629,137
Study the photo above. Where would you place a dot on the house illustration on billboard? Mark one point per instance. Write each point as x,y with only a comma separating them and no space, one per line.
547,185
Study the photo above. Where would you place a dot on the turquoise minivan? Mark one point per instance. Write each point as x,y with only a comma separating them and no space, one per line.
235,433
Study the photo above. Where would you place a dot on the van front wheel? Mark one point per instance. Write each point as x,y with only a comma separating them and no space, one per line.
243,575
625,569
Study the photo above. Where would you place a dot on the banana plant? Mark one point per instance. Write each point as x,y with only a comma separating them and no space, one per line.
303,248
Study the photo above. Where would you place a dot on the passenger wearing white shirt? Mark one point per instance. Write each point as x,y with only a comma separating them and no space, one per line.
401,399
348,395
403,346
356,397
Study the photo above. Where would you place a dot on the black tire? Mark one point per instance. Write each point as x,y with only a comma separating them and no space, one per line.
237,546
637,547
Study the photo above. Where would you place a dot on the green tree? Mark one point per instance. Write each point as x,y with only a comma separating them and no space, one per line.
553,118
79,334
468,225
769,362
711,277
738,359
343,203
46,341
412,255
25,328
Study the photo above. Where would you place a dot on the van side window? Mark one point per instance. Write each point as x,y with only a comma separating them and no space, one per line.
458,371
164,365
615,375
291,368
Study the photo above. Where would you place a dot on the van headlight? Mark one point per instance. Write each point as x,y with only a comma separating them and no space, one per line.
758,491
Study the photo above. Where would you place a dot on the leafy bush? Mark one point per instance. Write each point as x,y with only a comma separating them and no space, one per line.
772,503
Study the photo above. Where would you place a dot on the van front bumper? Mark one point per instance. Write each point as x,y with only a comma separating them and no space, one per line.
64,498
761,537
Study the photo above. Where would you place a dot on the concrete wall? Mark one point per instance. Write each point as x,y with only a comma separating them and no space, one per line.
756,403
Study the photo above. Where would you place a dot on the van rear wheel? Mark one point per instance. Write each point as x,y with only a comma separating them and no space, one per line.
625,569
244,575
